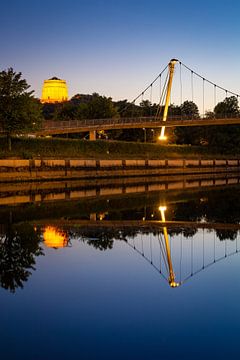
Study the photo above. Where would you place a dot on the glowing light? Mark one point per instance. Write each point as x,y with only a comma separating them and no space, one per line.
54,238
174,284
162,210
162,138
162,135
102,216
54,90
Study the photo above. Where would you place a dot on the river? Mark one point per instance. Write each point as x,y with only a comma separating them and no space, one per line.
131,269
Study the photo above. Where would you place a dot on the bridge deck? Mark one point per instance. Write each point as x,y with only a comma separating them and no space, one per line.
157,224
51,127
75,126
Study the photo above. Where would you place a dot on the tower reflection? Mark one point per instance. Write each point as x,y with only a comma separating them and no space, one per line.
54,238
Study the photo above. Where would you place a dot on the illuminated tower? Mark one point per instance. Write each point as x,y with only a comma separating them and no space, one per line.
54,90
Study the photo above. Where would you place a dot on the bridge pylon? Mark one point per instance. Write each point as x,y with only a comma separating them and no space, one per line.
171,66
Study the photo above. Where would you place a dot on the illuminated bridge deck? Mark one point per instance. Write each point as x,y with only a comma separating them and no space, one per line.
74,126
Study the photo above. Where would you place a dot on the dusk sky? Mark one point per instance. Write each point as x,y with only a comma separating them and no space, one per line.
116,48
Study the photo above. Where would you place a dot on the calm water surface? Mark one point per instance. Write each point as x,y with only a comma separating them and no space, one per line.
74,290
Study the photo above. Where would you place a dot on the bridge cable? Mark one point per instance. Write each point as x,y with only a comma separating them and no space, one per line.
192,84
215,97
142,92
181,257
151,100
151,248
203,99
163,251
191,255
203,241
210,82
181,92
163,95
214,238
151,83
160,86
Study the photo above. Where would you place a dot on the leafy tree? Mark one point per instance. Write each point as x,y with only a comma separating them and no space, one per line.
67,111
146,108
227,107
19,111
227,137
189,109
189,135
101,107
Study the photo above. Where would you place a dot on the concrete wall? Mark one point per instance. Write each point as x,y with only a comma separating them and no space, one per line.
21,170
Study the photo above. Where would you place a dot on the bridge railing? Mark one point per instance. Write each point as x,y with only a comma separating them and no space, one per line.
91,123
53,124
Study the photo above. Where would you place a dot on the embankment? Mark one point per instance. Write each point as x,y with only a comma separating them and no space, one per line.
47,169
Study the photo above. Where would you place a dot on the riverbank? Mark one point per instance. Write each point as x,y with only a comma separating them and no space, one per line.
66,169
53,148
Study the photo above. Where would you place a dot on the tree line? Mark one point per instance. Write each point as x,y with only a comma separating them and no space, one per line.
21,112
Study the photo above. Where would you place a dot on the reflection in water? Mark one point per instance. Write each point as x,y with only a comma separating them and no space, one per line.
177,253
18,248
54,238
166,252
187,256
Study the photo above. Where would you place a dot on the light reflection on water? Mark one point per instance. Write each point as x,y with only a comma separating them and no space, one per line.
102,292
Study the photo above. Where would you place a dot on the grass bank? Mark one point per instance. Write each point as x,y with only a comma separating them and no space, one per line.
30,148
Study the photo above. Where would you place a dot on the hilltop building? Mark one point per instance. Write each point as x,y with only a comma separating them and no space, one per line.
54,91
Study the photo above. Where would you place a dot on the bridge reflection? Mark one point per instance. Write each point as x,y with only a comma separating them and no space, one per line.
171,252
177,253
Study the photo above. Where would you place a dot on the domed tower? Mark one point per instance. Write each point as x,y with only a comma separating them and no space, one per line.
54,90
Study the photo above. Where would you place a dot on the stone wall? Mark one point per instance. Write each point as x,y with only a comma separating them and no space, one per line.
22,170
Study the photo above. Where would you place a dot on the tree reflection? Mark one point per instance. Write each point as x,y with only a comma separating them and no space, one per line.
18,248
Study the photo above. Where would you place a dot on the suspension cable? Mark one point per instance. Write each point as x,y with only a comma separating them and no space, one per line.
192,84
181,93
215,96
210,82
203,98
163,95
142,92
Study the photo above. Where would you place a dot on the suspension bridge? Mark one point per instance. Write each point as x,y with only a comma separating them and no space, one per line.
162,118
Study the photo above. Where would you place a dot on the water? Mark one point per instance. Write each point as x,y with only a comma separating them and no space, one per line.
92,278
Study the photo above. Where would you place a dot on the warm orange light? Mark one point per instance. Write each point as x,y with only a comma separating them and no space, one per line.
162,134
54,238
162,138
54,90
162,210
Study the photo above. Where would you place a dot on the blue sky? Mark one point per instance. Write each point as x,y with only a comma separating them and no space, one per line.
117,47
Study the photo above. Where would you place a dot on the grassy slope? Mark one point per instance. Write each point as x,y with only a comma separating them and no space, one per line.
100,149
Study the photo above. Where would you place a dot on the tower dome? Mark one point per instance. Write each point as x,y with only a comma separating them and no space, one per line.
54,90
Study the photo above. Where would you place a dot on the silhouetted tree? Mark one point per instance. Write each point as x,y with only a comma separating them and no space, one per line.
226,138
19,111
189,135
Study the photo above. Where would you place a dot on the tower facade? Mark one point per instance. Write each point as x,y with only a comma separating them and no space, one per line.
54,90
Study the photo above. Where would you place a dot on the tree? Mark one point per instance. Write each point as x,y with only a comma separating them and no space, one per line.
189,135
226,137
227,107
101,107
20,112
189,109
